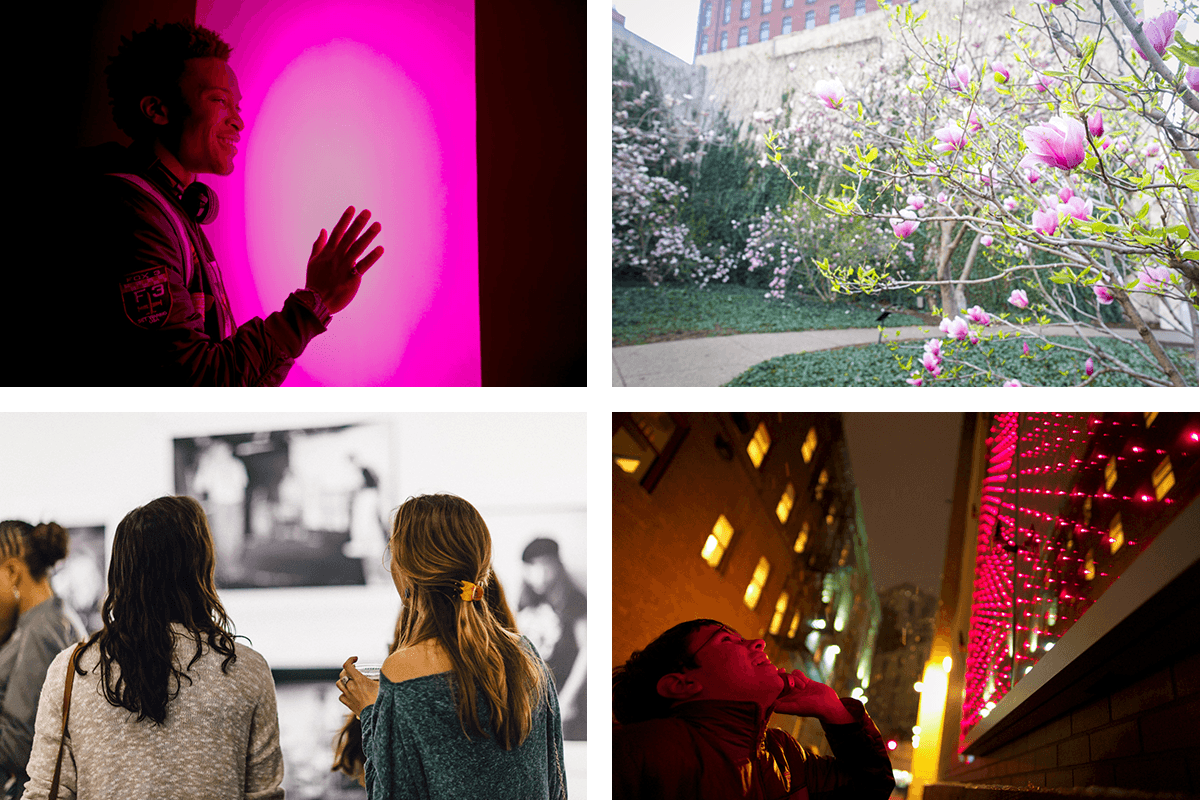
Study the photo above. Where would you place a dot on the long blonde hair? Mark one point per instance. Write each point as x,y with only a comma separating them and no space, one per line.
438,541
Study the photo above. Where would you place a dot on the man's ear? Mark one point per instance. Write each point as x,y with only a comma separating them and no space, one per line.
677,686
153,109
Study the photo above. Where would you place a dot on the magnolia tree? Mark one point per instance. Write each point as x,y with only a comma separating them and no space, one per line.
1072,165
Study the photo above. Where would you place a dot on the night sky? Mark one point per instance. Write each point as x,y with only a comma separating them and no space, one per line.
904,465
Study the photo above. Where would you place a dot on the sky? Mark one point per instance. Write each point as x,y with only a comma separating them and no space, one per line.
905,466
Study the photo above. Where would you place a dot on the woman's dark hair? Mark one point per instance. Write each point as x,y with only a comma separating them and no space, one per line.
635,683
348,753
39,546
161,572
150,63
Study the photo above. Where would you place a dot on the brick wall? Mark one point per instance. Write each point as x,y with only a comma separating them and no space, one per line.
1143,735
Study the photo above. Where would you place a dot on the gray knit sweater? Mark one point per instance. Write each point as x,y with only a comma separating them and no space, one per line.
220,740
416,749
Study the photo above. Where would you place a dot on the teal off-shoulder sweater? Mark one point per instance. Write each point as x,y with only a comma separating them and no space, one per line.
416,749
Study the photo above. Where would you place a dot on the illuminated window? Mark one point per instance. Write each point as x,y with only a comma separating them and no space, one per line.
794,626
1110,473
822,480
718,542
1164,478
640,439
787,25
1149,415
830,516
761,443
784,509
1089,566
1116,534
754,590
780,610
810,445
801,538
1087,511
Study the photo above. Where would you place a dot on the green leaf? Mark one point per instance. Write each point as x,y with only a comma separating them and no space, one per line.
1144,211
1090,162
1190,255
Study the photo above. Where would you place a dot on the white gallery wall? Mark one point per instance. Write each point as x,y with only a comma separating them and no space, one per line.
524,472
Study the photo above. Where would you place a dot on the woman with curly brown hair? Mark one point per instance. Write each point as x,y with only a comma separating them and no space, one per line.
165,703
35,626
464,706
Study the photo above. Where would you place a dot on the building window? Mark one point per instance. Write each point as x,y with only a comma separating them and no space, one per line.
788,3
829,518
643,445
784,509
707,14
703,44
810,442
724,39
794,626
787,25
1149,416
1110,474
764,32
834,14
728,11
1116,534
761,443
743,36
822,481
860,7
1163,478
766,7
718,542
780,609
757,582
801,539
745,9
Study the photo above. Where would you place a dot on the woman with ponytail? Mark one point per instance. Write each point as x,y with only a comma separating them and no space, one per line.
35,626
165,703
464,707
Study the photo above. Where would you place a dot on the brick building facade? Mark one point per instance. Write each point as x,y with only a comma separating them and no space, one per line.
723,24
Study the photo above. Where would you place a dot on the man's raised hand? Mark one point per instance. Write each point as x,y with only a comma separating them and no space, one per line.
334,271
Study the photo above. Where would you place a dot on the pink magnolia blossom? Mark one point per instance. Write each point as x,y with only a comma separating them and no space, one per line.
1089,367
1103,294
1000,73
1153,277
1025,349
973,121
1059,143
1013,382
1058,2
932,364
985,241
1159,32
1045,222
979,316
1032,175
904,227
1193,78
943,198
952,137
958,328
916,201
934,346
1010,203
1065,193
1018,298
1078,208
959,79
917,381
831,92
1153,149
988,174
1096,124
1044,82
974,337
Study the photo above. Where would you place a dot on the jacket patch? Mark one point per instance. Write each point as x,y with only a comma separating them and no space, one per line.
146,296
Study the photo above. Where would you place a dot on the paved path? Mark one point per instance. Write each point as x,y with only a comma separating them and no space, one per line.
716,360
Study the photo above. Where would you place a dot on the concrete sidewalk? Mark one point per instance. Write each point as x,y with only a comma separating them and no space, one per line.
716,360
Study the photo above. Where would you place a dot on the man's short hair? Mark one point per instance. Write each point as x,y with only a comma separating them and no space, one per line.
151,63
539,547
635,683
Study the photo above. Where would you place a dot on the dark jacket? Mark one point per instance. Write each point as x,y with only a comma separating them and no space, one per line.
717,750
138,314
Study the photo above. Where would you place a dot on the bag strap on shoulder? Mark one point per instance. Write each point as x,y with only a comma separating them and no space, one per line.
62,741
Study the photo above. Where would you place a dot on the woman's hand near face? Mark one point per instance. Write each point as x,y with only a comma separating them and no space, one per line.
357,690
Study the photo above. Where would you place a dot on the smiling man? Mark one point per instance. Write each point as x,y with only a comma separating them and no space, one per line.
692,709
151,293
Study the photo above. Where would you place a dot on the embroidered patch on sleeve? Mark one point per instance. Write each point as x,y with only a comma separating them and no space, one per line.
147,297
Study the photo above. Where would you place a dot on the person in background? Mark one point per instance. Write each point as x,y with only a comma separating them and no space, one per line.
464,706
692,710
553,612
166,704
35,626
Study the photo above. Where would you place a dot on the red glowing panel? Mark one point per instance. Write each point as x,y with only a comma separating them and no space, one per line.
364,104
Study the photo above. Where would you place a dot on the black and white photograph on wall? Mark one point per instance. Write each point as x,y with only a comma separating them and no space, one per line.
291,507
80,578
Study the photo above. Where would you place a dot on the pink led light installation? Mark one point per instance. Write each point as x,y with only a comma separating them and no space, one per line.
1067,503
369,103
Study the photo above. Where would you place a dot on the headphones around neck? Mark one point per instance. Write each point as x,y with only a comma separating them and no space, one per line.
198,199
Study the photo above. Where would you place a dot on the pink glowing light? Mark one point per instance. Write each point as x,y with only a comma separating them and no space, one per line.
368,104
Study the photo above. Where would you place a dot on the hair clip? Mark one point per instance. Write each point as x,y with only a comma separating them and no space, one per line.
470,591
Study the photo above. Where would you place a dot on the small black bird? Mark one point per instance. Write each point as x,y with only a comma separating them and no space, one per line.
883,316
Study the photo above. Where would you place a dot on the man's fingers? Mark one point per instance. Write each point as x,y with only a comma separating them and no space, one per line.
366,263
319,242
355,229
342,224
364,242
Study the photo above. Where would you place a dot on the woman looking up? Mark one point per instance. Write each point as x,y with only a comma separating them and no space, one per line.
165,703
464,707
35,626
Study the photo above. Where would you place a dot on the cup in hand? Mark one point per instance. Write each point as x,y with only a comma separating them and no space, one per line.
370,670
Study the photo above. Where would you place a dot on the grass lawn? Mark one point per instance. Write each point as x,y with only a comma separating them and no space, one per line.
875,365
643,314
